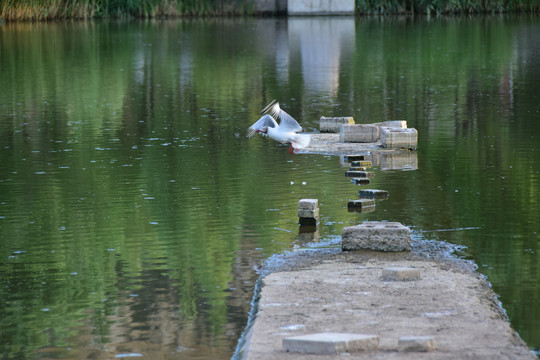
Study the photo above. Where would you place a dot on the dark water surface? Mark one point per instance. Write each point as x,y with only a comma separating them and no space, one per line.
134,212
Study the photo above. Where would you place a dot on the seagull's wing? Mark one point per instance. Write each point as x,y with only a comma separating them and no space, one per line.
264,121
286,121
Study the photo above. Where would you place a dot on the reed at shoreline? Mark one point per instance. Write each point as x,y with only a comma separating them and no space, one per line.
43,10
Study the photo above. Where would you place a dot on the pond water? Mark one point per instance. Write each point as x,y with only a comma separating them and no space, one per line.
134,212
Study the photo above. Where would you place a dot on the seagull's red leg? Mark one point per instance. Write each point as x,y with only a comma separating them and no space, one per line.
291,149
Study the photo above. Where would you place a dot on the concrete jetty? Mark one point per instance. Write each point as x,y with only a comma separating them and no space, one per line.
420,305
380,295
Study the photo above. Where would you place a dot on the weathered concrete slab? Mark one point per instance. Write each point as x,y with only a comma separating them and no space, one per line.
399,138
416,343
333,124
344,293
400,274
330,343
376,235
358,133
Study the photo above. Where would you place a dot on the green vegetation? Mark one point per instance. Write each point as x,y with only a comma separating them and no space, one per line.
39,10
431,7
14,10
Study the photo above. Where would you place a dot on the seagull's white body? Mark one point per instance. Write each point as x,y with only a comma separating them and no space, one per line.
284,132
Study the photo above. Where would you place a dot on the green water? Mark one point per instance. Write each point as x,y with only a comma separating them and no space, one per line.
134,212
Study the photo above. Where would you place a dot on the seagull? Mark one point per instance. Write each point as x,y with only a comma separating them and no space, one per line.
285,132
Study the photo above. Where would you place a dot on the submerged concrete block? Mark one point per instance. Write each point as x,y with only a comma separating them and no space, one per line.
373,194
360,174
359,133
364,163
416,343
333,124
361,181
378,236
360,203
308,221
400,274
330,343
399,138
308,204
351,158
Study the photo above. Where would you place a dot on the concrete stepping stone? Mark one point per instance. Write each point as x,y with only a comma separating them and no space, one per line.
399,138
360,174
361,181
361,203
330,343
308,212
376,235
373,194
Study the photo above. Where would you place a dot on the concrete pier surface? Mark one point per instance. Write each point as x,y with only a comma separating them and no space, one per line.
422,304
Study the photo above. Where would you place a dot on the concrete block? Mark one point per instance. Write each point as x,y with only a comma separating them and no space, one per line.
359,133
400,274
330,343
360,174
304,213
351,158
308,204
397,138
360,203
357,168
333,124
361,181
416,343
317,7
373,194
379,236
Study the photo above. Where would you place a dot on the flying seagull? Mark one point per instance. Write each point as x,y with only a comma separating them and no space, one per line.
285,132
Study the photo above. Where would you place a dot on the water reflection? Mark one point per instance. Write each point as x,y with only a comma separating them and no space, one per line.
321,43
134,213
